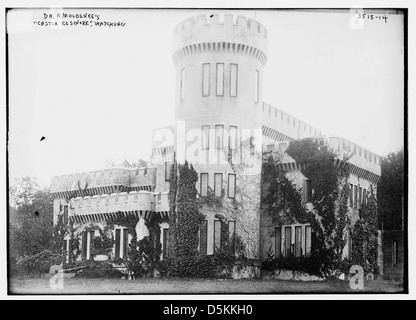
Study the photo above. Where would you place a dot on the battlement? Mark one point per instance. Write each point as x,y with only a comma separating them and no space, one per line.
282,127
108,177
120,202
220,28
359,156
286,124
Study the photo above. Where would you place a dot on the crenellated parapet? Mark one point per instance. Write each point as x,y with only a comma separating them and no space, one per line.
281,126
358,156
104,181
133,201
220,33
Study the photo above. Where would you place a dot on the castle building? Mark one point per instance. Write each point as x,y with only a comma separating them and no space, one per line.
221,124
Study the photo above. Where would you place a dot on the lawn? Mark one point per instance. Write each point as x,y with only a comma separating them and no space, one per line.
194,286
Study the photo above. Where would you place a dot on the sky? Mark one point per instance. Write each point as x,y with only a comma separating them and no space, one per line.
96,93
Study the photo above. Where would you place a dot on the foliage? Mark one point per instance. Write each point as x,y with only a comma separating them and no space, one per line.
127,163
173,191
280,198
390,191
328,211
364,237
60,230
218,265
310,265
144,255
31,219
184,222
103,245
99,270
39,263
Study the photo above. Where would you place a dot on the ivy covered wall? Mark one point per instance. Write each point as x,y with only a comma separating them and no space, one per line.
328,211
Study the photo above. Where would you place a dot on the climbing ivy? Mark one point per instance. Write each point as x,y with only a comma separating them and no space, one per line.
280,198
184,222
328,215
365,237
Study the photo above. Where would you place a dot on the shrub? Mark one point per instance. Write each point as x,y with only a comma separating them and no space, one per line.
37,264
310,265
99,270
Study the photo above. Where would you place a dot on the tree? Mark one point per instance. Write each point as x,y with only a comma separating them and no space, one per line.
31,218
184,221
127,163
390,191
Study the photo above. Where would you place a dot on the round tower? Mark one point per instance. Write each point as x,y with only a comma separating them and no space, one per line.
219,70
219,63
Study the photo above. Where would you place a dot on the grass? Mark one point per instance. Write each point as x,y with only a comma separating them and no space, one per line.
194,286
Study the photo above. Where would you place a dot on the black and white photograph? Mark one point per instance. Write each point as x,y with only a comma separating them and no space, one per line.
206,151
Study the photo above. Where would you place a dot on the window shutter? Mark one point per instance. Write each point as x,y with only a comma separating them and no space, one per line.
203,235
125,243
298,241
117,244
217,235
165,243
308,235
278,242
231,237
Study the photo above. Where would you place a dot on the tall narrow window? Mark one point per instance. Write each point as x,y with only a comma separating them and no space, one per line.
364,197
65,218
231,237
217,236
219,136
232,143
165,253
218,184
307,190
68,250
277,242
298,241
125,244
203,236
91,245
65,248
360,197
233,79
205,79
117,244
288,241
355,196
204,184
231,185
395,253
220,79
351,195
205,137
182,88
257,87
308,235
84,245
168,168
